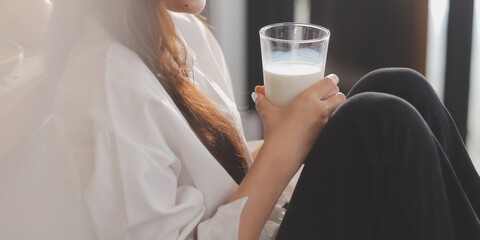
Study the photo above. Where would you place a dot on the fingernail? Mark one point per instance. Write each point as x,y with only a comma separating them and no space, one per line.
334,78
254,96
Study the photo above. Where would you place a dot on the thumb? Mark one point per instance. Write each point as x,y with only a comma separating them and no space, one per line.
260,90
262,104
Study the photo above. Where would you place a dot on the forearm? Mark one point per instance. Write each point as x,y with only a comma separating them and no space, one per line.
255,147
290,132
263,184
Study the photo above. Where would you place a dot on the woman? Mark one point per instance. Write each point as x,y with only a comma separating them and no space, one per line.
145,109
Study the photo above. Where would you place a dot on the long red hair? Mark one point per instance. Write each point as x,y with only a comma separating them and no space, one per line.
146,27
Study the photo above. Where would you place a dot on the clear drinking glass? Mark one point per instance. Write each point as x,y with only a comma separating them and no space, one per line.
293,59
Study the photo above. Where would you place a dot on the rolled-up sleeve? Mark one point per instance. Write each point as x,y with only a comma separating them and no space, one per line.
225,224
134,194
151,177
134,191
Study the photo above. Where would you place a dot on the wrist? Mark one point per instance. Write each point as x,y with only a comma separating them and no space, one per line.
284,156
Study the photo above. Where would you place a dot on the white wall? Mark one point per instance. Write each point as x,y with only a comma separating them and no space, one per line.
228,19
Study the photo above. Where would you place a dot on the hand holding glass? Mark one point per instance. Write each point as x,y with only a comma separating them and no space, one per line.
293,58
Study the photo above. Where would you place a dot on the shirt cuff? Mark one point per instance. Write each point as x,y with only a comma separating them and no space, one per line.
224,224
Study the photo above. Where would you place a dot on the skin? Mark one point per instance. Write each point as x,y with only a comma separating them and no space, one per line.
186,6
289,134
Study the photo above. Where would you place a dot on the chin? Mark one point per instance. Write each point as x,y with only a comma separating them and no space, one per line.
187,6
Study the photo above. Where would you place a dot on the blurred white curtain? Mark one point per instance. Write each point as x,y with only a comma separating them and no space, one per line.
40,197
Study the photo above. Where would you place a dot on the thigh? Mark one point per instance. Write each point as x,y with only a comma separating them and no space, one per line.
415,89
377,172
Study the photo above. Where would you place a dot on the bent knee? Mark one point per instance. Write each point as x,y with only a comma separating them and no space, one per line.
374,105
394,71
392,80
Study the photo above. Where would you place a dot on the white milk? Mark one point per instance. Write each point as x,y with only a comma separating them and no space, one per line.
285,80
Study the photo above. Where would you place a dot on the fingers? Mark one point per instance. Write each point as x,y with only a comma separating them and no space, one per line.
334,77
260,90
333,102
262,104
325,88
257,97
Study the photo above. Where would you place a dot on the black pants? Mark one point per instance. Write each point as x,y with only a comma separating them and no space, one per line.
389,164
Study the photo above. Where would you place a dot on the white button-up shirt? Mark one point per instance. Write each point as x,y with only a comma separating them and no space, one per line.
140,168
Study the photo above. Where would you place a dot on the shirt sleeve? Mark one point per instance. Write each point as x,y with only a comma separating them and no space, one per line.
134,191
113,113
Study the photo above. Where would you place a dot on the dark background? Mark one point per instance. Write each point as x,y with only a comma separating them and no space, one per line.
371,34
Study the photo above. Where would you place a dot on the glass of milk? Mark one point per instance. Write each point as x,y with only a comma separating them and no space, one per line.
293,58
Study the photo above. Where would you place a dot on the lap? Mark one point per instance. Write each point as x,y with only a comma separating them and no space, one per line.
350,181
